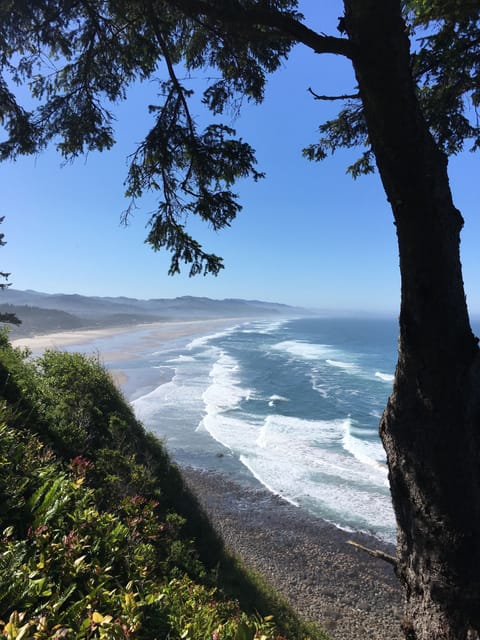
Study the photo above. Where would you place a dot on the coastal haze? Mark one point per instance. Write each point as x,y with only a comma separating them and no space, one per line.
43,312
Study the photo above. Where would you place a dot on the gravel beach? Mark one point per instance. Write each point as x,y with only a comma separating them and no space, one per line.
352,595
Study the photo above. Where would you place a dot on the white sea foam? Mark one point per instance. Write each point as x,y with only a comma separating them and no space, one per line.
298,460
367,452
183,391
307,444
273,400
267,326
319,385
338,502
225,391
361,431
261,327
305,350
223,396
384,377
349,367
182,358
234,433
166,396
245,462
203,340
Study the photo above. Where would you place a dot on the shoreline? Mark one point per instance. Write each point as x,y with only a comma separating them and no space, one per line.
307,560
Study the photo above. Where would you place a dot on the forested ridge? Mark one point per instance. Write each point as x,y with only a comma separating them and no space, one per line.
45,313
99,537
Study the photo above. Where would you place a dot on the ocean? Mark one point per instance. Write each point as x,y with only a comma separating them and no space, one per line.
291,404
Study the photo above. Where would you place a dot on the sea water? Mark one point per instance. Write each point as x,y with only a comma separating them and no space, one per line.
293,404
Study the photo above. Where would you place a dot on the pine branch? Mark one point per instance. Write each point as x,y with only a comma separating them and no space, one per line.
280,23
347,96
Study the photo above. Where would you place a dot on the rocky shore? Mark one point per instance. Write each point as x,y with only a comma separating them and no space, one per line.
352,595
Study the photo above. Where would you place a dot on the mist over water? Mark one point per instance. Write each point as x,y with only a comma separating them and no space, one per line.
294,404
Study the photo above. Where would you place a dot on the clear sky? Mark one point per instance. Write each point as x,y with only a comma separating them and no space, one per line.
308,234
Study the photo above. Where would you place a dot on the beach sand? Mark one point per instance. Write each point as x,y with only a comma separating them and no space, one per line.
350,594
155,333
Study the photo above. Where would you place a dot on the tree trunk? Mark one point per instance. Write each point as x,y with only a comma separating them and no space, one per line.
430,427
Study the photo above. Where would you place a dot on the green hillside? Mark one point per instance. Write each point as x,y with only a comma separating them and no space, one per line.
99,537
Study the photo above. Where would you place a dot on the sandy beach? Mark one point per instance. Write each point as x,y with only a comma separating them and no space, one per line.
155,333
309,561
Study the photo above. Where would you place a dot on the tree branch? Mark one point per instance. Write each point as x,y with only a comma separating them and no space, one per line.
180,92
376,553
173,76
281,24
347,96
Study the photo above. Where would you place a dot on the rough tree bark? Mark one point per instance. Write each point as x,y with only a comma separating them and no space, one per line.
430,427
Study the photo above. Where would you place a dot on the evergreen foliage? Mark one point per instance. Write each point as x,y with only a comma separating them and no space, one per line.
5,316
447,69
78,61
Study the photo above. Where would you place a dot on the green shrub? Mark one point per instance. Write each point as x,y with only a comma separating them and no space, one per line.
80,402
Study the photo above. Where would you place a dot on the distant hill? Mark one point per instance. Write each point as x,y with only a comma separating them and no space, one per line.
44,312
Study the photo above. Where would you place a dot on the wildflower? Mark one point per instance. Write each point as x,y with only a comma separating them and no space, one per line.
79,466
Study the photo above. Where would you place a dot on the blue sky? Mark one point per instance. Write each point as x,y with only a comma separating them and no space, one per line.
308,234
